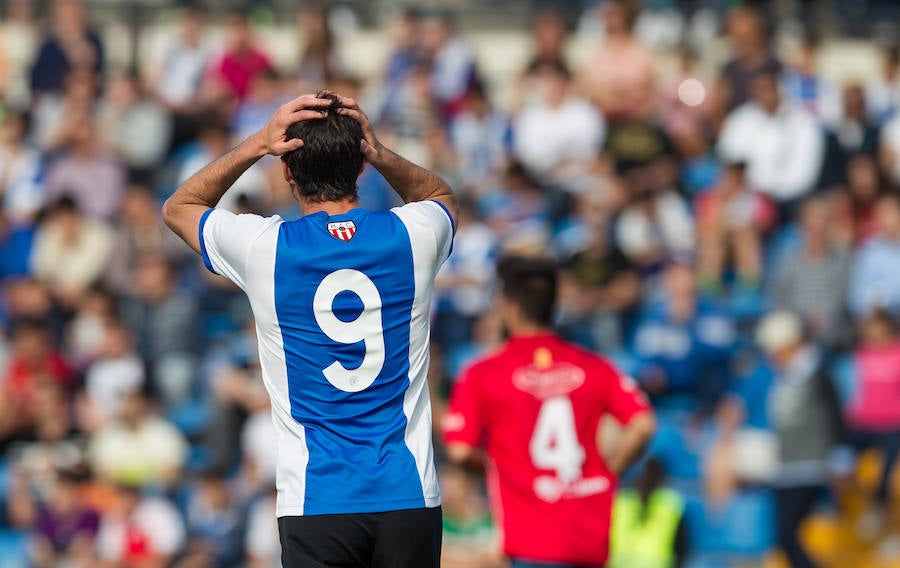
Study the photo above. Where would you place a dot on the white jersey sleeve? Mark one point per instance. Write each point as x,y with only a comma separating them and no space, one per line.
429,221
226,240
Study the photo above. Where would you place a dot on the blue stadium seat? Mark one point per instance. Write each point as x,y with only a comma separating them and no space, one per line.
744,528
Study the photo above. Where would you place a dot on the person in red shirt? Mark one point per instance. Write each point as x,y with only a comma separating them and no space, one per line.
243,62
537,405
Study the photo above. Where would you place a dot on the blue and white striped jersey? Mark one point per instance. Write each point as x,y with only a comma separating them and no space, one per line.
342,316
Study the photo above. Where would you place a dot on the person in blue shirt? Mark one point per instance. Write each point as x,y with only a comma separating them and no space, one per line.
683,343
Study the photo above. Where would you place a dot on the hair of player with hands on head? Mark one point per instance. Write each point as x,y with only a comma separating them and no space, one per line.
530,284
326,167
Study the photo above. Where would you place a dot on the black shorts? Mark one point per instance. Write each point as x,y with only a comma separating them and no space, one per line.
395,539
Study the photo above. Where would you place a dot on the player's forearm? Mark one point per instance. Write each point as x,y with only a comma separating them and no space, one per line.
204,189
634,439
411,182
207,186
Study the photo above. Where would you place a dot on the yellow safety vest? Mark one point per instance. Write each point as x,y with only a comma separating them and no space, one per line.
644,539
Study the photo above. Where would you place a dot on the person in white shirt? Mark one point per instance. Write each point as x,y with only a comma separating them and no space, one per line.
556,127
781,144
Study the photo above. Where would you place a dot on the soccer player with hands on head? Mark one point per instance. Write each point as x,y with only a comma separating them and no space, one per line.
341,298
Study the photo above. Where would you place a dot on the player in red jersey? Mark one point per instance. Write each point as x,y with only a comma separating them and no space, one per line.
537,405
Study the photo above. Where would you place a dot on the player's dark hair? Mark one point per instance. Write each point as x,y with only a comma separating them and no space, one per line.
530,283
327,165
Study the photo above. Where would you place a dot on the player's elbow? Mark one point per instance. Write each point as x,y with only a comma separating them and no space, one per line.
169,212
460,454
644,426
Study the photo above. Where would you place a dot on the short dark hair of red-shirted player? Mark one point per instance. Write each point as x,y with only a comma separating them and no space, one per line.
530,284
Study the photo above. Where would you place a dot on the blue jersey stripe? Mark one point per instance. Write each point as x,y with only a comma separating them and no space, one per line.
206,261
358,458
452,224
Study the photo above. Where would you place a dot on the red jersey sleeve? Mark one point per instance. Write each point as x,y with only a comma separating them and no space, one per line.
464,422
625,399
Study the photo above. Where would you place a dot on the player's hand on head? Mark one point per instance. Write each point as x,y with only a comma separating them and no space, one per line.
370,146
273,136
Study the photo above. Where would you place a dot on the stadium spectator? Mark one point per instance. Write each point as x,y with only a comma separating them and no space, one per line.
556,128
21,193
70,251
115,372
449,57
215,524
139,233
69,45
470,537
620,74
463,285
883,93
57,117
33,362
549,36
138,447
687,98
782,145
320,62
65,525
480,134
242,61
162,318
804,85
808,424
599,286
126,110
855,208
657,224
752,57
732,220
87,173
812,278
140,531
875,275
176,73
871,411
684,343
852,134
889,148
648,523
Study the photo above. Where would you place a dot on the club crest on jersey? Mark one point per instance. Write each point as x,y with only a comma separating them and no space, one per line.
343,230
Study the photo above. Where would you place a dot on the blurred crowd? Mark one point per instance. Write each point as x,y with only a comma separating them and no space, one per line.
683,208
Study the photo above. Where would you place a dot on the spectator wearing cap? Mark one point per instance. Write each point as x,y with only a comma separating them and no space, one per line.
875,275
805,411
